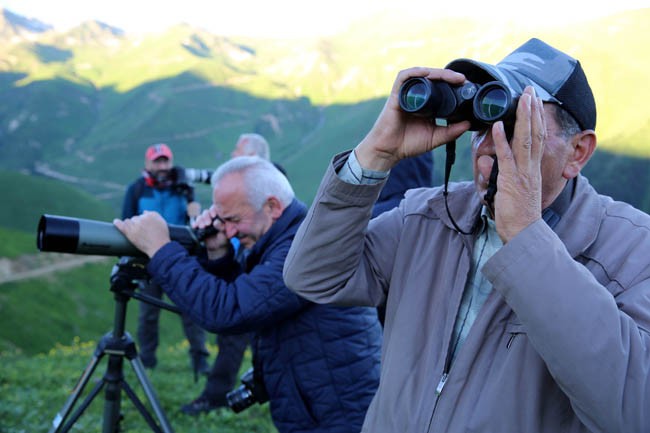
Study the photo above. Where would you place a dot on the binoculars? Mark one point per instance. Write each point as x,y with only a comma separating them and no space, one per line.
482,104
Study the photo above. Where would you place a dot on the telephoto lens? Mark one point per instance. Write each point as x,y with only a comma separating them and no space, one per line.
198,175
251,391
243,397
240,399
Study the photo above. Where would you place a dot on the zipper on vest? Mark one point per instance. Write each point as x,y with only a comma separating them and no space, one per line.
439,388
442,382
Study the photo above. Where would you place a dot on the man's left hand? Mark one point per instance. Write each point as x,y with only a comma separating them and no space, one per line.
518,202
148,232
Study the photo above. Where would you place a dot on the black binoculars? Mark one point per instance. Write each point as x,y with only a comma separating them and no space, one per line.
482,104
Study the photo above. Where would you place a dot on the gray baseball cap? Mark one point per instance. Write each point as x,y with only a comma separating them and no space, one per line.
556,77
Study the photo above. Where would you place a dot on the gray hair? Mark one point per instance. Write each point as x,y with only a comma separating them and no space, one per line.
567,123
261,180
255,144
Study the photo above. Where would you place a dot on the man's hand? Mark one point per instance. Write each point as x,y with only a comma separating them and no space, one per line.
518,202
147,232
216,245
397,135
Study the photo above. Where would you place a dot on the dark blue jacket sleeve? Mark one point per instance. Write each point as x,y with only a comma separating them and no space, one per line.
227,304
130,203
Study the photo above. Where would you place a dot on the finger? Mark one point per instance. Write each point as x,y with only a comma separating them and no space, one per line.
433,74
119,224
504,152
521,139
538,130
200,221
445,134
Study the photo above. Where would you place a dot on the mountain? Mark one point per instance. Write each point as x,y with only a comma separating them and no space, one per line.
13,25
82,105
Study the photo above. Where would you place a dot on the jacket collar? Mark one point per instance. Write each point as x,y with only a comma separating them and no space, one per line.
580,222
463,203
284,226
574,216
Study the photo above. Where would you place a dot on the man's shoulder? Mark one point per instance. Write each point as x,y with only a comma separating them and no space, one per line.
589,203
136,184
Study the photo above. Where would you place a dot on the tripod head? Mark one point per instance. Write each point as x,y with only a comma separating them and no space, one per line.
126,276
127,272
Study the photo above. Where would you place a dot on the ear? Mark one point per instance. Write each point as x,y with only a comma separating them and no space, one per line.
584,145
274,207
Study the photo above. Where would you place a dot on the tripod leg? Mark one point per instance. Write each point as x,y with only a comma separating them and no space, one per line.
78,389
84,405
112,396
151,394
141,408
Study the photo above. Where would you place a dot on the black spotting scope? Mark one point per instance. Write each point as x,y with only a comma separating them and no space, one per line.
482,105
83,236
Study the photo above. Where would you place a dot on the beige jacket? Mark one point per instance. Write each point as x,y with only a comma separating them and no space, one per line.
562,343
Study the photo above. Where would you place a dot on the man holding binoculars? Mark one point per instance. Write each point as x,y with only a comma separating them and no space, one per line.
318,365
516,303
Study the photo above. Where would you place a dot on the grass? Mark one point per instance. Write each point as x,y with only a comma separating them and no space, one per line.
49,330
35,389
16,243
28,197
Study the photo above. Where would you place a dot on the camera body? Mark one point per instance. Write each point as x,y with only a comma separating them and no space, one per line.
252,390
482,104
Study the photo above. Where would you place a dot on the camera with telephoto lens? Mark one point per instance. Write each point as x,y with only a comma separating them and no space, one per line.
251,391
481,104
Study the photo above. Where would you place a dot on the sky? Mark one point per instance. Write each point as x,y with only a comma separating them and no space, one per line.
284,18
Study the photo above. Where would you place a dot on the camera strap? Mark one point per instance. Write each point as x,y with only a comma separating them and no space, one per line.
492,186
450,158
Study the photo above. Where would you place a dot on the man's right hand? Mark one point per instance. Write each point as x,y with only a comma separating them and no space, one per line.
397,135
218,244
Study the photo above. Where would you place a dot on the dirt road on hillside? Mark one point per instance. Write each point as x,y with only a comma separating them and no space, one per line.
27,267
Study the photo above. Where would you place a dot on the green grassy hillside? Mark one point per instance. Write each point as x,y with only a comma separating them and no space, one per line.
15,243
28,197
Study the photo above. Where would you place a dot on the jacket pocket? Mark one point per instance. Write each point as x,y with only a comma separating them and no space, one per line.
514,331
301,413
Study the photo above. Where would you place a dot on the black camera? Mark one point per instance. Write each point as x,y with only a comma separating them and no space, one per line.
481,104
198,175
251,391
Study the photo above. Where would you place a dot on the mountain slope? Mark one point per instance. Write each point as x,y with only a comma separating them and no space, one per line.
85,103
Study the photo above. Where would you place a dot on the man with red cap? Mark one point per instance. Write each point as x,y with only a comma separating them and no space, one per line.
158,189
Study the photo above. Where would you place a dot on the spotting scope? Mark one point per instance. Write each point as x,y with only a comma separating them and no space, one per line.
84,236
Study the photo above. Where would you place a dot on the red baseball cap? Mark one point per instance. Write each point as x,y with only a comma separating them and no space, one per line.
158,150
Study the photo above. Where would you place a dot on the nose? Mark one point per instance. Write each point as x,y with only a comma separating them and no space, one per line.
230,229
482,140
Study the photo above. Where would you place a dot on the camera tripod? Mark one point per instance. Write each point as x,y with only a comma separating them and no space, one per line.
118,345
